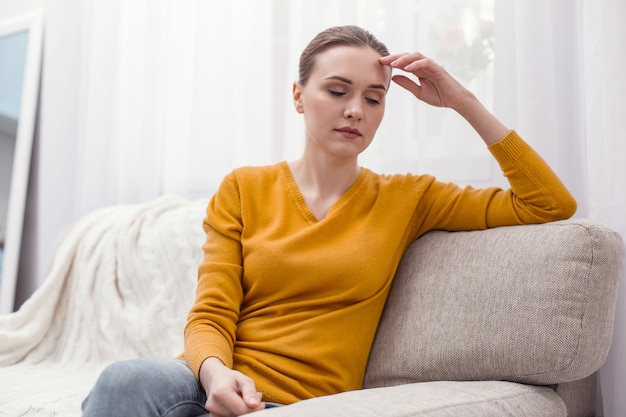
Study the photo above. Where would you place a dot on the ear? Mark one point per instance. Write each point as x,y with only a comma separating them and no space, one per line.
297,97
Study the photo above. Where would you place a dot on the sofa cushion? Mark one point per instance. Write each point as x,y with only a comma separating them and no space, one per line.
531,304
433,399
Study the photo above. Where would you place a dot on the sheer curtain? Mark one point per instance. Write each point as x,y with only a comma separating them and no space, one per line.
150,97
560,82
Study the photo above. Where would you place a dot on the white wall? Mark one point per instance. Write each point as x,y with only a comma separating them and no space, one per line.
12,8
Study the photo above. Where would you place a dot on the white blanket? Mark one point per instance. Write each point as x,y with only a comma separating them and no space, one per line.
120,286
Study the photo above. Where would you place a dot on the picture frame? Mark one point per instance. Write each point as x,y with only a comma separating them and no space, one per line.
21,38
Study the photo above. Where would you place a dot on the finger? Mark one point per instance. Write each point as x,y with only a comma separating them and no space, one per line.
407,84
387,59
427,68
228,404
252,399
401,61
249,394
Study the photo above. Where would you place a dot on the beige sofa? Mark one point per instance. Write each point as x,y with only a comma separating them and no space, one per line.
512,321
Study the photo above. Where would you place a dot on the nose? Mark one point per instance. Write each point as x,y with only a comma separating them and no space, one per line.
354,109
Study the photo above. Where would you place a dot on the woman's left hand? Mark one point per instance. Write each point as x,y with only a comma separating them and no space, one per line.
438,87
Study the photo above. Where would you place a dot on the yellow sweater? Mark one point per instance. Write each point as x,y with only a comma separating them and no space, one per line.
294,303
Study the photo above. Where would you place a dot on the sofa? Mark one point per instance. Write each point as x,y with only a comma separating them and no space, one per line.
511,321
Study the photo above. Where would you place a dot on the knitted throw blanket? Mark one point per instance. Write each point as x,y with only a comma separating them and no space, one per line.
119,287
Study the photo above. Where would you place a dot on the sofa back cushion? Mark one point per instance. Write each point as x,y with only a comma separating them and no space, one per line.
532,304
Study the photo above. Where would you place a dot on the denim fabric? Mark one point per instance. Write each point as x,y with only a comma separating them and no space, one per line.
147,387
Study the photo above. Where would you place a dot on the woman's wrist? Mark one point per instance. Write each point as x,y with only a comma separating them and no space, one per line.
209,368
490,129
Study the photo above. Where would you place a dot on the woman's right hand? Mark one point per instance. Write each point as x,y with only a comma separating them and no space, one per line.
229,393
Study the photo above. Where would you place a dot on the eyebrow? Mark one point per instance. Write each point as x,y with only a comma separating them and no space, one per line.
347,81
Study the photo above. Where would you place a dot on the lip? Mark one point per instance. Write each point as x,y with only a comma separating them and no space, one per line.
349,132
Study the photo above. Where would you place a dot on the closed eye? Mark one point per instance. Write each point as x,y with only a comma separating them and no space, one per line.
337,93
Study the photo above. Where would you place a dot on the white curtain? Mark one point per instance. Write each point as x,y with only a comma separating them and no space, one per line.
560,81
146,97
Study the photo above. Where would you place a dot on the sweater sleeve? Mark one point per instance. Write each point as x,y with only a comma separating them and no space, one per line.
212,321
536,194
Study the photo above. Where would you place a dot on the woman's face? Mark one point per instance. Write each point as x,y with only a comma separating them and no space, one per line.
343,101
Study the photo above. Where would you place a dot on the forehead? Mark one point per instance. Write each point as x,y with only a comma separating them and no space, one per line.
358,64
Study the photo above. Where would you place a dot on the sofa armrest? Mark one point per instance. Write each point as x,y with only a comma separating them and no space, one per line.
532,304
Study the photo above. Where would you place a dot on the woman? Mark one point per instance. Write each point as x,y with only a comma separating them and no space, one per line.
300,255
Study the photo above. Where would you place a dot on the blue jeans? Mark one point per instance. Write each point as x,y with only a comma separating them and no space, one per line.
147,387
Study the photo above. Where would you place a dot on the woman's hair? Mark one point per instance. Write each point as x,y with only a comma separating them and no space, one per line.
336,36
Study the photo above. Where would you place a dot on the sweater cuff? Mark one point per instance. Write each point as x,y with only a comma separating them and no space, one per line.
195,360
510,148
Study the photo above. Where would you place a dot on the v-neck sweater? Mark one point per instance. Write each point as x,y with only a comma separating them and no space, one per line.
293,302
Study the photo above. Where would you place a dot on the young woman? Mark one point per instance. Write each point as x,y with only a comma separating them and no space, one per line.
300,256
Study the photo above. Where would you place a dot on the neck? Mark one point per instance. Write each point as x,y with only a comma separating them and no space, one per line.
324,178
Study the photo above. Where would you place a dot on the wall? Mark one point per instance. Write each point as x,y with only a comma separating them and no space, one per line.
12,8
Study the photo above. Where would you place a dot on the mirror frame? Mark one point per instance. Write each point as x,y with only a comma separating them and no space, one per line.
33,23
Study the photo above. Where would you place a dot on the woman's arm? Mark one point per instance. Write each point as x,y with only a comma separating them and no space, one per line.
536,195
212,323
